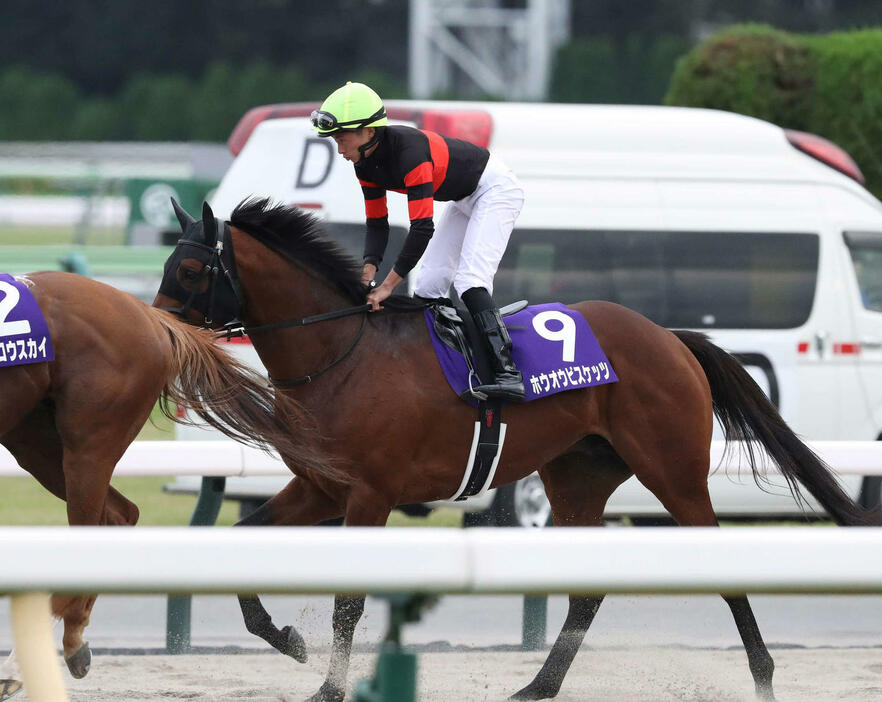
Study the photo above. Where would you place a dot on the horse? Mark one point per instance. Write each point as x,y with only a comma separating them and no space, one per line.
397,434
67,422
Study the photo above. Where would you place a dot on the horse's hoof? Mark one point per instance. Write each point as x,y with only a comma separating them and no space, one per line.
764,693
534,691
79,663
295,646
9,688
327,693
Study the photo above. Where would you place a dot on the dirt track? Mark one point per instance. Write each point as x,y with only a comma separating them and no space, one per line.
635,675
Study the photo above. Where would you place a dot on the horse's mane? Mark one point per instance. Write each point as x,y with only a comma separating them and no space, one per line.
300,236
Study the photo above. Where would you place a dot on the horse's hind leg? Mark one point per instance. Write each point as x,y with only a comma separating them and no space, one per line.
683,492
76,610
94,438
578,486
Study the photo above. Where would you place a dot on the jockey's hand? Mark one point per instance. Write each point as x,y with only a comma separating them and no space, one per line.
370,270
377,295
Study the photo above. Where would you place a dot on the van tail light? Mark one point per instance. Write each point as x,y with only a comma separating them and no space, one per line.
246,126
802,347
475,126
826,152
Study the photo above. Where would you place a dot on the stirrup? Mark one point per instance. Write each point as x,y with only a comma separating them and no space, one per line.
511,393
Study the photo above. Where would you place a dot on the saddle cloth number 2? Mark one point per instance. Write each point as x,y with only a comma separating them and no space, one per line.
11,296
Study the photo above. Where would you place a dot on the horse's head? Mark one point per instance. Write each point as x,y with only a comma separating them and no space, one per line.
199,281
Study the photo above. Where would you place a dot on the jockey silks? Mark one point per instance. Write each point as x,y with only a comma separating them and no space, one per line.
427,167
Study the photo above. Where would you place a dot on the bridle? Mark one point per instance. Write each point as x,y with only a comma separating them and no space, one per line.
214,266
220,266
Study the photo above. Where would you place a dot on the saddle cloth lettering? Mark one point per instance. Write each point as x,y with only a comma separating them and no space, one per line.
24,335
553,347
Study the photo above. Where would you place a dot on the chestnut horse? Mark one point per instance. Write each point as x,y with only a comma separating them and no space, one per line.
67,422
398,434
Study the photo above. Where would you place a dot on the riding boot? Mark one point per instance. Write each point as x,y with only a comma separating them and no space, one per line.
508,383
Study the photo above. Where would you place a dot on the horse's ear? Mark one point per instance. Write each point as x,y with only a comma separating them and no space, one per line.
184,218
209,224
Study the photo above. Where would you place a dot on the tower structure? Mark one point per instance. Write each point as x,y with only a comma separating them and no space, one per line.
485,48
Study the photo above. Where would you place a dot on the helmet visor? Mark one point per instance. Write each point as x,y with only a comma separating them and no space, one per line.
326,122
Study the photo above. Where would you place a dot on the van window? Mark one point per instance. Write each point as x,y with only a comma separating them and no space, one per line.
866,256
677,279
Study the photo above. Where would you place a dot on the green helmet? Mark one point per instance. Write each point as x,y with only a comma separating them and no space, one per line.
353,106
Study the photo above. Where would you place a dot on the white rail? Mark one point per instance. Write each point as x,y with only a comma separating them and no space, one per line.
304,560
230,459
88,559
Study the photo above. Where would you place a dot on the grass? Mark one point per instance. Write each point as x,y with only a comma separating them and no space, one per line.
24,502
43,236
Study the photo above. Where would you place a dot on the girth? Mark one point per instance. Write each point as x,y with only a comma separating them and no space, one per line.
457,330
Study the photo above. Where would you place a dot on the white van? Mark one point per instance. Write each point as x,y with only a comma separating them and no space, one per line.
763,238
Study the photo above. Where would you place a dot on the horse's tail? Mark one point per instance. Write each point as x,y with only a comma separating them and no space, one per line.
746,413
234,399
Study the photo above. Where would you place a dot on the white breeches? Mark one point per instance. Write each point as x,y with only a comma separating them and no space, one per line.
471,235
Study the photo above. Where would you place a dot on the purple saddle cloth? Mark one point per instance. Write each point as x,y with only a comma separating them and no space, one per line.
24,335
553,347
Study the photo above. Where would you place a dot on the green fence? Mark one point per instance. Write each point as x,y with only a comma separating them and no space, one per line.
151,212
100,260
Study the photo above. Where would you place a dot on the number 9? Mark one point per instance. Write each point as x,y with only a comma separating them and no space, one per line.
566,334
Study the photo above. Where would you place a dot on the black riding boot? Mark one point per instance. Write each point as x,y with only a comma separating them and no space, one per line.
508,384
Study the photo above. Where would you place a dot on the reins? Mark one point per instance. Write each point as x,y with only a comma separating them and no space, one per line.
237,329
216,267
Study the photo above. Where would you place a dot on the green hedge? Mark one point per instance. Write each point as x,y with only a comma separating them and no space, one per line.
39,106
830,85
599,70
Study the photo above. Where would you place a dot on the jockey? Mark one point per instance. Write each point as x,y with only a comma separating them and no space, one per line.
473,230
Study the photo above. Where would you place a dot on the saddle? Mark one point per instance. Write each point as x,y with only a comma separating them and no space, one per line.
456,329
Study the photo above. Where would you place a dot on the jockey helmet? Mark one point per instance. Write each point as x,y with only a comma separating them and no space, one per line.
353,106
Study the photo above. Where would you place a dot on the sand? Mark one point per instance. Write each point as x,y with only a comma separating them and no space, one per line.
652,674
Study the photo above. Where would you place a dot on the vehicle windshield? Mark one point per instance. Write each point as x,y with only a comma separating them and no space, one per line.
866,256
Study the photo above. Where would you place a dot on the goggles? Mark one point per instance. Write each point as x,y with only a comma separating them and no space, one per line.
326,122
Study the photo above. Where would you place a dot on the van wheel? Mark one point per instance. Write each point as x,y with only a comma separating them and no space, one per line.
479,519
522,504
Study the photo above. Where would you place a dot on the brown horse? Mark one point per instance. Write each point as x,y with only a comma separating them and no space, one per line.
398,435
68,422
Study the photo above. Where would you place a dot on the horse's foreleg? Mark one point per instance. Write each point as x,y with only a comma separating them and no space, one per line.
550,677
363,508
578,486
299,503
